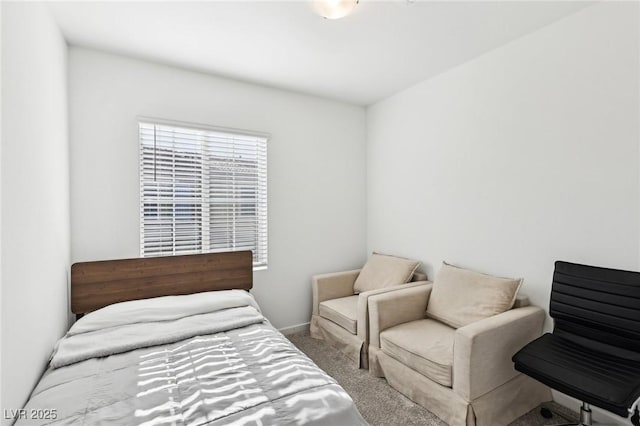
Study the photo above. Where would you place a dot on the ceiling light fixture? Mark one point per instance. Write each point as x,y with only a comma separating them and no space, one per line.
334,9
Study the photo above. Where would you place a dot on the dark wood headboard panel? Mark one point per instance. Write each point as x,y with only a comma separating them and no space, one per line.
97,284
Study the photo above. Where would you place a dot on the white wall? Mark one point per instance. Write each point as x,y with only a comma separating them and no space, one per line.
35,196
520,157
316,174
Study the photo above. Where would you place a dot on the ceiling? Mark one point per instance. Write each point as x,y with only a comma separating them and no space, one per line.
382,48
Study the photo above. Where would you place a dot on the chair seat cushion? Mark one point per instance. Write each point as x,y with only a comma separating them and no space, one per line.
599,378
425,346
343,311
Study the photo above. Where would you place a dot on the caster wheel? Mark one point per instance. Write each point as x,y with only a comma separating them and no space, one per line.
546,413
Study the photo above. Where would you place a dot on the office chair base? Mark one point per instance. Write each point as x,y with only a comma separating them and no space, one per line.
546,413
585,416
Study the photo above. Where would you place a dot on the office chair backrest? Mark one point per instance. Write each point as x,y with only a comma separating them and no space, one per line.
596,304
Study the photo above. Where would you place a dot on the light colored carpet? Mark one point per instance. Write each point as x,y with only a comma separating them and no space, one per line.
380,404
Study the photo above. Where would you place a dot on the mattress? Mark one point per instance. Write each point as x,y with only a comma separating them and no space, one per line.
204,359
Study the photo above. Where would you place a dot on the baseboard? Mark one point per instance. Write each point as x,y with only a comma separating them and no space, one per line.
294,328
599,415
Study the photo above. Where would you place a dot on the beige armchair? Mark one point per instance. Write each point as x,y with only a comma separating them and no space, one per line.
341,318
465,376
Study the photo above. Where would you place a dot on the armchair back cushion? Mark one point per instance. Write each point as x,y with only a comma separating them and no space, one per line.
384,271
461,296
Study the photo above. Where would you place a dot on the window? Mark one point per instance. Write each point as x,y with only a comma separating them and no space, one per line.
202,190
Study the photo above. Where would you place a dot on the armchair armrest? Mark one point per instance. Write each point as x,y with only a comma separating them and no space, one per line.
482,350
363,302
396,307
332,286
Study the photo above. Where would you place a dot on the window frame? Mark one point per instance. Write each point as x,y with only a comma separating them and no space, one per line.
261,258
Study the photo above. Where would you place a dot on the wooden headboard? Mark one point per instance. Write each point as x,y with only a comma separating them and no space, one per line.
97,284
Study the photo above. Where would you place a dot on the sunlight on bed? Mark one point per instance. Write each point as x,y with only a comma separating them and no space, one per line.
242,377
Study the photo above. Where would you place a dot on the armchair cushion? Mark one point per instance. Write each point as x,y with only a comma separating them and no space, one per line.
342,311
484,296
384,271
425,346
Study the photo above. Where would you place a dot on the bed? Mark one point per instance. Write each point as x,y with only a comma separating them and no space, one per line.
179,341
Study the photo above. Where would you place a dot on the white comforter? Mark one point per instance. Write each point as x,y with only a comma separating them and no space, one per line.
142,323
209,359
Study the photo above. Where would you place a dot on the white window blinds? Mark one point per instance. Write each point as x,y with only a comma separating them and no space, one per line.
202,191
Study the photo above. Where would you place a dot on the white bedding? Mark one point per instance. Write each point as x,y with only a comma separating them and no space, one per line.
142,323
161,309
185,366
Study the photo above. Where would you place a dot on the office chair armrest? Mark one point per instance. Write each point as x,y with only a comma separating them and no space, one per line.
363,302
396,307
332,286
482,350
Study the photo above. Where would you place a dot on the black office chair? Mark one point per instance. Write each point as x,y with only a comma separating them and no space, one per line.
593,353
